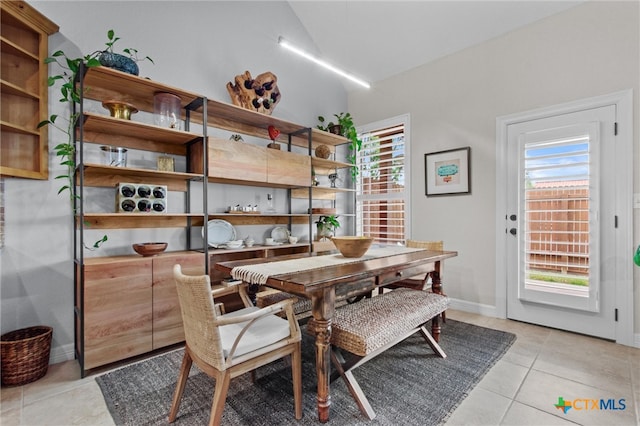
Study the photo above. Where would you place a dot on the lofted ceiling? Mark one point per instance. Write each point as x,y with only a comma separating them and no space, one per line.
374,40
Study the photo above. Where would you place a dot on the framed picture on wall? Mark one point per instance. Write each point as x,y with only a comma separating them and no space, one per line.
448,172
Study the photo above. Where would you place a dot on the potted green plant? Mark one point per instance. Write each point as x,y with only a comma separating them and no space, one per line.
326,226
125,63
344,127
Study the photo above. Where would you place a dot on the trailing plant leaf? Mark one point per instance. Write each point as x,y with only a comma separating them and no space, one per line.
66,151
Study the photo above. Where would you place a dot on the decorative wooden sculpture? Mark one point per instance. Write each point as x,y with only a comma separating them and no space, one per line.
260,94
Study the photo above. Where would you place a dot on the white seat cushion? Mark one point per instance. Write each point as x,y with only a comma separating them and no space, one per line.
264,332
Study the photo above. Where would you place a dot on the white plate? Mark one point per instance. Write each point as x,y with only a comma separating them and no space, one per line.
280,234
219,232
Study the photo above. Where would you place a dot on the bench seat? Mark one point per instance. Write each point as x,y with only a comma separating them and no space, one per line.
363,327
373,325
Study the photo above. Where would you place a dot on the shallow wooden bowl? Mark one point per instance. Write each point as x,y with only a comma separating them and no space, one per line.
149,249
352,246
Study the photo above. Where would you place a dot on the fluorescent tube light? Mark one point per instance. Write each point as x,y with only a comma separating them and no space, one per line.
282,42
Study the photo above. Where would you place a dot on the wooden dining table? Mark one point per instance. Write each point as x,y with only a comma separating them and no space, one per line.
324,284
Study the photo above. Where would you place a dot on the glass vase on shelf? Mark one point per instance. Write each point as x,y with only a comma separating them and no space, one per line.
270,204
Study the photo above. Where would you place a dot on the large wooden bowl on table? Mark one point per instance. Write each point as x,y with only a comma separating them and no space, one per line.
352,246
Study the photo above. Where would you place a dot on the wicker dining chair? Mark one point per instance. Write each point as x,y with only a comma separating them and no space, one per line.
226,346
418,282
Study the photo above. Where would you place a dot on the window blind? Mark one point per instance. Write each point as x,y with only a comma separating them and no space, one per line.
380,199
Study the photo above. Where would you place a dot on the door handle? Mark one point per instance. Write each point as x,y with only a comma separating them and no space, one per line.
513,217
513,231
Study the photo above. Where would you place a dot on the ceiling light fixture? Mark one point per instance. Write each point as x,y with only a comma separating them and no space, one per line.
282,42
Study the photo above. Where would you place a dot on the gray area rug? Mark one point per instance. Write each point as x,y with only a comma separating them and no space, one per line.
406,385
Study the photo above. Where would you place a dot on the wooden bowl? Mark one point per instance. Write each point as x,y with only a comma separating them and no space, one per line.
149,249
352,246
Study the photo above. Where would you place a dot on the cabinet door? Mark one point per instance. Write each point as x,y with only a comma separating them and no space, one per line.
237,160
288,168
117,311
167,318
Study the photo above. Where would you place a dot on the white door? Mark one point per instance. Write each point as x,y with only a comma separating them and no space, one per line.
561,221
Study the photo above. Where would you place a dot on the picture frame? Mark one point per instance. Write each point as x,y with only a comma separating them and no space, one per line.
448,172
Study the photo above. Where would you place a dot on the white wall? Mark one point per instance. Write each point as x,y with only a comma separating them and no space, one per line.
591,49
197,46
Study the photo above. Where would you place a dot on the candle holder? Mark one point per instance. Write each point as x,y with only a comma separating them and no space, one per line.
167,110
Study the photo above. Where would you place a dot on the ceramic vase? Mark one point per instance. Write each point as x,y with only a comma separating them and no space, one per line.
119,62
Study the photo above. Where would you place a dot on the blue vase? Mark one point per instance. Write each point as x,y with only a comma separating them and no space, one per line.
119,62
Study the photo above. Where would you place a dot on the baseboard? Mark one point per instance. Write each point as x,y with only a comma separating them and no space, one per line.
490,311
62,354
472,307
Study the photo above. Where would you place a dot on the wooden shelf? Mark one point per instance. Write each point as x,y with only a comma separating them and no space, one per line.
261,219
10,127
319,192
107,260
256,248
11,48
9,88
240,120
140,220
107,83
98,175
324,167
106,130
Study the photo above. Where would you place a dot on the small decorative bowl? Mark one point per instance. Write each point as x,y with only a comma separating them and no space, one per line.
149,249
352,246
120,109
234,244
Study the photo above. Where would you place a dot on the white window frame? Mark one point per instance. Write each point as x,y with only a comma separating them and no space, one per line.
403,119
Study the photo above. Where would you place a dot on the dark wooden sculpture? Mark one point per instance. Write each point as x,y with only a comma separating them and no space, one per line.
259,94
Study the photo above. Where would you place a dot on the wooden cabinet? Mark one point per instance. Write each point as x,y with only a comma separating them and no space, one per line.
131,305
167,319
118,314
24,46
246,164
287,168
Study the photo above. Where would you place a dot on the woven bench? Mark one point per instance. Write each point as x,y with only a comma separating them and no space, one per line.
371,326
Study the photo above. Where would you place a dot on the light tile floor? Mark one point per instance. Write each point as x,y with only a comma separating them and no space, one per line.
521,389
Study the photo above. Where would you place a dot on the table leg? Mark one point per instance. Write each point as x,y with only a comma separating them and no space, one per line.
252,290
436,287
323,306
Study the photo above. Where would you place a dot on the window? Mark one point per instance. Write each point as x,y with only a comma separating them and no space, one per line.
381,187
558,191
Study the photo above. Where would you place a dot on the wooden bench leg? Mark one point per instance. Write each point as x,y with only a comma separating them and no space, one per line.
352,384
431,342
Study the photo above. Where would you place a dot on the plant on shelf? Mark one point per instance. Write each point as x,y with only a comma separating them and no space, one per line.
344,127
125,63
326,226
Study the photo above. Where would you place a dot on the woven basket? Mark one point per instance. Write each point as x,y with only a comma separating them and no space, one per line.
25,354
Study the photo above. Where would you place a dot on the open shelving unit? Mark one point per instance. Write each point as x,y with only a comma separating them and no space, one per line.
24,36
127,305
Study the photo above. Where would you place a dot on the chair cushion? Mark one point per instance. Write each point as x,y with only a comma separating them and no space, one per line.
365,326
263,332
